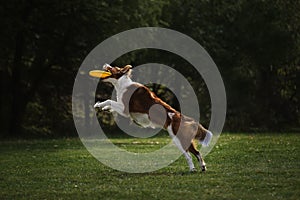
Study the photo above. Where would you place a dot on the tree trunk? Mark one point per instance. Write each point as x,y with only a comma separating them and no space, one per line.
16,88
19,98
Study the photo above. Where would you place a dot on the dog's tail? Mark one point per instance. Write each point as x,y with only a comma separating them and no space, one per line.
205,142
203,135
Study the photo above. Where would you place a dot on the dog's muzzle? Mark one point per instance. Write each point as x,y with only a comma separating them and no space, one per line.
106,67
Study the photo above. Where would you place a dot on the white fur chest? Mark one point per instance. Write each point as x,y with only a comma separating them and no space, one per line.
121,87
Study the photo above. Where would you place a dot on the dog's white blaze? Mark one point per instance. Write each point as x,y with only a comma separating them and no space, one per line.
170,114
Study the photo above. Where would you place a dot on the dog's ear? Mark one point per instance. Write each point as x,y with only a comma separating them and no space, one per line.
126,69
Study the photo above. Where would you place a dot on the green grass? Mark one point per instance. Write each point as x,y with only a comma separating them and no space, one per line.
241,166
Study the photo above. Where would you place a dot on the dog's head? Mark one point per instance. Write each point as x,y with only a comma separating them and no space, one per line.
116,72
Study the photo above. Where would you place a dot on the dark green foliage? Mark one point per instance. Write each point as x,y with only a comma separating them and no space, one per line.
255,44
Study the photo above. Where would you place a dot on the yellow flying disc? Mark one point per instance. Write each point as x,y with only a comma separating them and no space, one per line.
99,73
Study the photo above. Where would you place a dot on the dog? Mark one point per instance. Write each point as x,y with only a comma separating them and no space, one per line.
137,102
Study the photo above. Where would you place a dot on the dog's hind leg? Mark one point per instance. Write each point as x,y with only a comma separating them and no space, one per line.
179,146
194,151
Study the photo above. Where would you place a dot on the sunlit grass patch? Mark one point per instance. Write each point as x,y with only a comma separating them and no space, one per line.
241,166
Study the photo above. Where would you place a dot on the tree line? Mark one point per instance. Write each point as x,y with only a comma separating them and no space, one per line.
255,44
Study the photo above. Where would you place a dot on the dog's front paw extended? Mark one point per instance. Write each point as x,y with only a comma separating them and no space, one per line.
106,108
98,105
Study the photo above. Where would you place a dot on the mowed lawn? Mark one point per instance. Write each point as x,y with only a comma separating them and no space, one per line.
241,166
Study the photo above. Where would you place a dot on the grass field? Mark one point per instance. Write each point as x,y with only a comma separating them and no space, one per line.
241,166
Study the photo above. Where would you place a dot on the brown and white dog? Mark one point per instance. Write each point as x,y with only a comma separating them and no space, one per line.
137,102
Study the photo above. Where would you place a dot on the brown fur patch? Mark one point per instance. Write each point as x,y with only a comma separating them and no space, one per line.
139,99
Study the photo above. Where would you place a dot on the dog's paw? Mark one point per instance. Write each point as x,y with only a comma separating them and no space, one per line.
97,105
106,108
194,170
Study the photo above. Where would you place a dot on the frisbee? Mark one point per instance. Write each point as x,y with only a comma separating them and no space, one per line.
99,73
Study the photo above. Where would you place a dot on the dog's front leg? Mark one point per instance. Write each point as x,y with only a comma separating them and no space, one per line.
103,104
111,106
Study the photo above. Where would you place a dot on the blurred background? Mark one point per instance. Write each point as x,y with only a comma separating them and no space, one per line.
255,44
